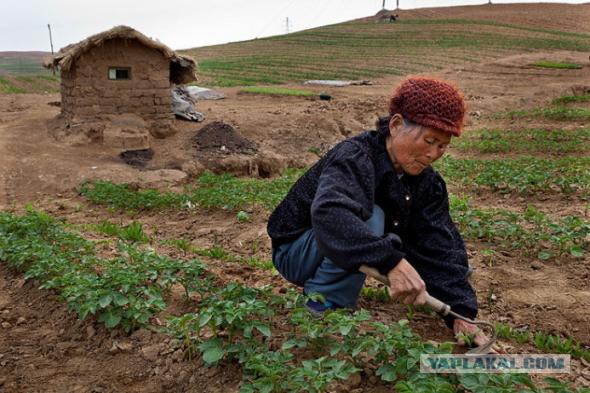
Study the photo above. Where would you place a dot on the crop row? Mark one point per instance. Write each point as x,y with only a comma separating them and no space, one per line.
559,113
125,290
220,191
28,84
545,342
233,323
524,175
240,324
525,141
531,232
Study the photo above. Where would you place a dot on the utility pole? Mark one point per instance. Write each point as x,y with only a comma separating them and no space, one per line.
383,6
397,4
50,38
287,25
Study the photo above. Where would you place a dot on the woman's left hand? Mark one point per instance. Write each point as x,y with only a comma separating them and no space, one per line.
461,327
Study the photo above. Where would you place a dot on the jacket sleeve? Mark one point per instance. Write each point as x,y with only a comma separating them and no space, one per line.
343,202
436,250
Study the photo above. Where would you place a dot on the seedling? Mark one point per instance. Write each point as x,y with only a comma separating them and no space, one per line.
242,216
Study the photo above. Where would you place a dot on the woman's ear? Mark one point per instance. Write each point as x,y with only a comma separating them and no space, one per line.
395,124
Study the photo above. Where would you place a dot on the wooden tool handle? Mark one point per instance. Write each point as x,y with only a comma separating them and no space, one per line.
432,302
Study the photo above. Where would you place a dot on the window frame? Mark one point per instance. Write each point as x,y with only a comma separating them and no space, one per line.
116,68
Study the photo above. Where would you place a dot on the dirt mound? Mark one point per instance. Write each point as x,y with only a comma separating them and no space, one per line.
137,158
222,138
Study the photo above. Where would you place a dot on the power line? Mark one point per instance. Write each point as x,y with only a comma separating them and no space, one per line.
274,18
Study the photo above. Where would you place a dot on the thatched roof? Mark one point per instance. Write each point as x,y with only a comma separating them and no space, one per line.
182,68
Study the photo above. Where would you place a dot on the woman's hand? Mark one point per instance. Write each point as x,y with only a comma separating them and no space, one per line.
406,285
464,329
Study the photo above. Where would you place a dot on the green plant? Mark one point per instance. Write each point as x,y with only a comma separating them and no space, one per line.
556,64
221,191
524,175
560,113
125,290
531,232
242,216
282,91
555,141
315,150
569,99
378,294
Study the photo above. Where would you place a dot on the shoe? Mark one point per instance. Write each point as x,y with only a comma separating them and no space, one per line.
317,309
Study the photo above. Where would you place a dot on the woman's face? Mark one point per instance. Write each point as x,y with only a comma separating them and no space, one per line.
412,148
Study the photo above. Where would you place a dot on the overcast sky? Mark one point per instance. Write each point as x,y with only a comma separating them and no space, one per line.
183,23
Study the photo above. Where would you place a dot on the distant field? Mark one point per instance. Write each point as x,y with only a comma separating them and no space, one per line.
21,66
22,72
360,50
33,83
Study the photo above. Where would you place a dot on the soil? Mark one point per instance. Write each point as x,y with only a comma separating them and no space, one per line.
137,158
222,138
43,347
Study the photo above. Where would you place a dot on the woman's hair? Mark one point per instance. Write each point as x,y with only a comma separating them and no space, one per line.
382,125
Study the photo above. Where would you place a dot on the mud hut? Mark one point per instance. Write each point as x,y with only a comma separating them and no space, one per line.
117,73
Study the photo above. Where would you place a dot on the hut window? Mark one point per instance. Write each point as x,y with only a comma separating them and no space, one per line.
119,73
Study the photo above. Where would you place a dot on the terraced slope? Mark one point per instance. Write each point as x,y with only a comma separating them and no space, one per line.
372,49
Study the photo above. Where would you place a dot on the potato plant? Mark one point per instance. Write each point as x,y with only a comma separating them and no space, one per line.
126,290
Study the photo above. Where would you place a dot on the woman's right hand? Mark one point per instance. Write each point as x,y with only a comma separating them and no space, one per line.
406,285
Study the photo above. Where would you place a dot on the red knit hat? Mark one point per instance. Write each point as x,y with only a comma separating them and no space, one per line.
429,102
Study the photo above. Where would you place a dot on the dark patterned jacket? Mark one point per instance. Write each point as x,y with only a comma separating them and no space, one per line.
337,195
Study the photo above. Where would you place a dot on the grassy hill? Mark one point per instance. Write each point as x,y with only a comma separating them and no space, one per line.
423,40
371,47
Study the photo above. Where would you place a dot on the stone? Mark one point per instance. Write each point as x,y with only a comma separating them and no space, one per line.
178,356
161,178
20,320
90,332
151,352
6,325
141,335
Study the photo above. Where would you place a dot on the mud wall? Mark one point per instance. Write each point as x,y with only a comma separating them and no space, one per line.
88,93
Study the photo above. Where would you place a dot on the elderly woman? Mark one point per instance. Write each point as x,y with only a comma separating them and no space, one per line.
374,199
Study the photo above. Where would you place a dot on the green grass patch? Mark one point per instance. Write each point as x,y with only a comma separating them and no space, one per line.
8,88
279,91
210,191
570,99
560,113
524,141
557,64
525,175
22,66
130,233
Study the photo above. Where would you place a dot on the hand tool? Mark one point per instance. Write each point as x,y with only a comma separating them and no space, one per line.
443,309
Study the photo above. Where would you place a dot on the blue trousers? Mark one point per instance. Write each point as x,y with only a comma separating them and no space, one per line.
301,263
